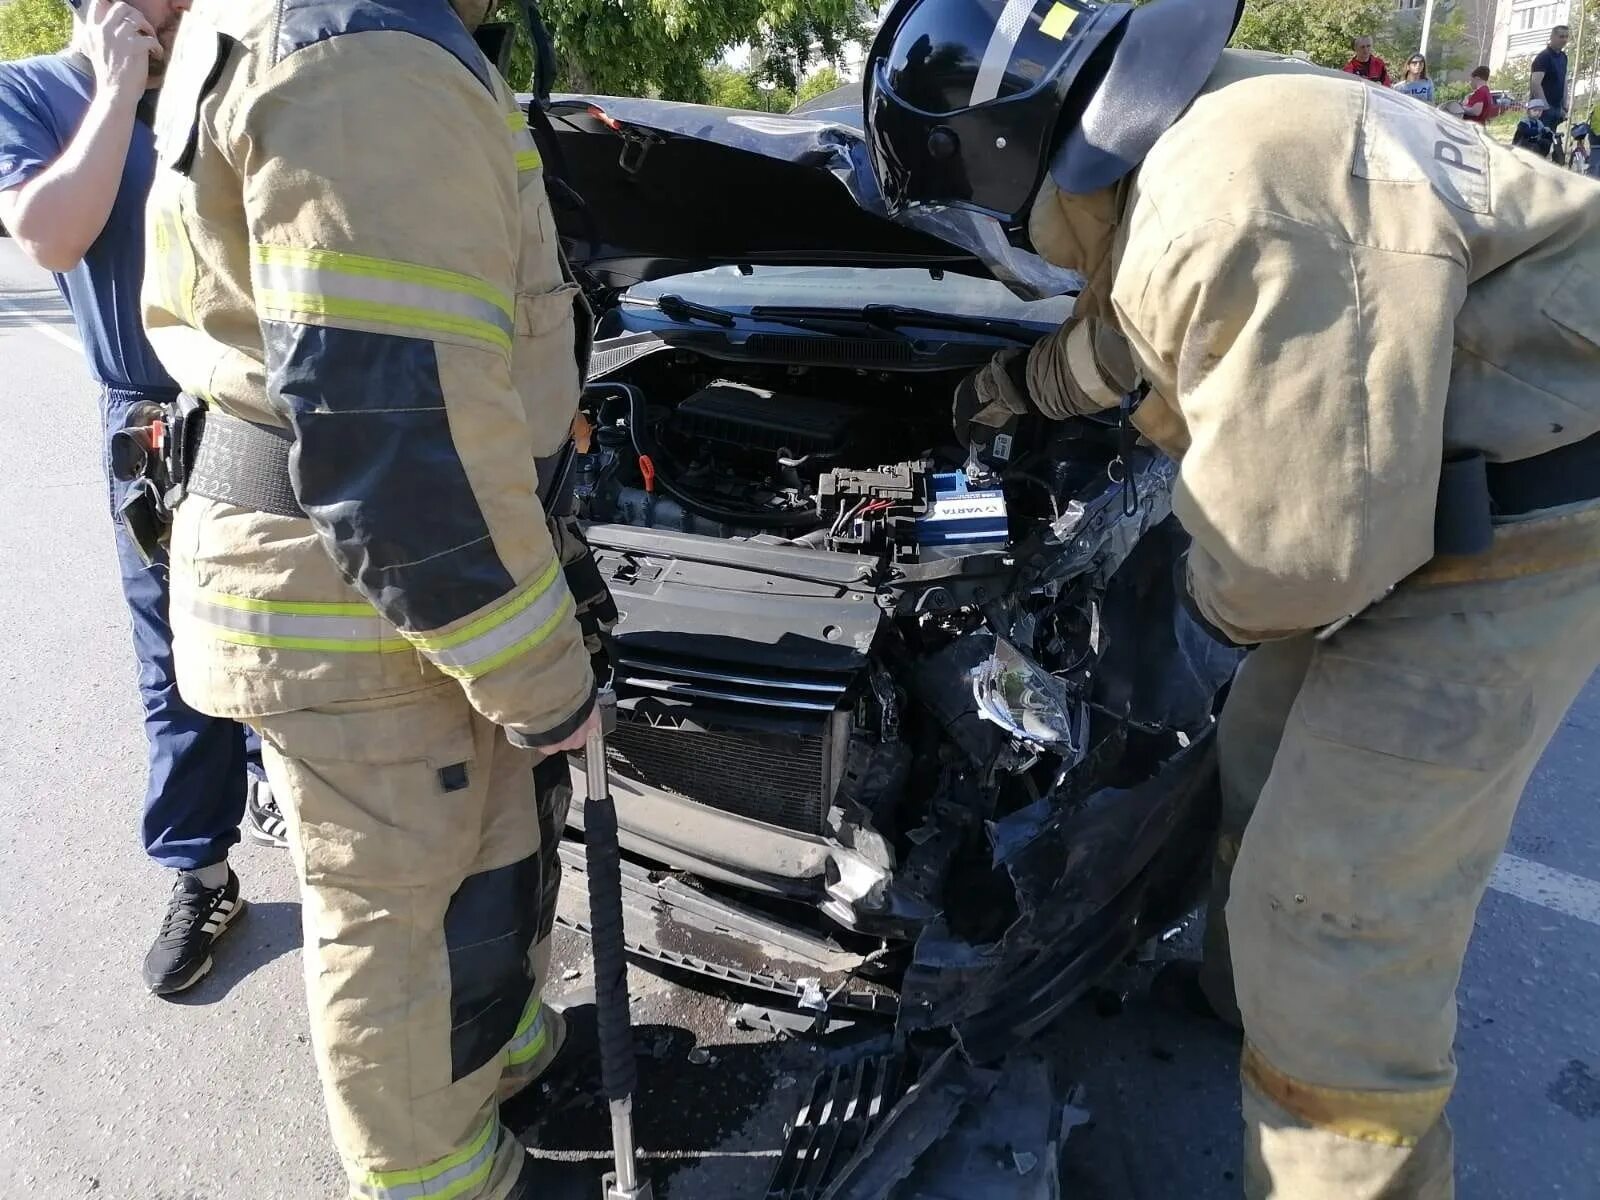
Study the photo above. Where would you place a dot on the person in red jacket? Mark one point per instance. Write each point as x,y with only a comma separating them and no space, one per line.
1367,64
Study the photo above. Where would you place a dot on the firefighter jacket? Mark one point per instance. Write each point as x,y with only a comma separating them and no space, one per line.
349,238
1328,288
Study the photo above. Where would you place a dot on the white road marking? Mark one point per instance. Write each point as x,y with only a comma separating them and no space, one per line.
1547,887
50,331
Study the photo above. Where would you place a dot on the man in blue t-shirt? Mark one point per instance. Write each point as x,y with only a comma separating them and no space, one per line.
77,159
1549,77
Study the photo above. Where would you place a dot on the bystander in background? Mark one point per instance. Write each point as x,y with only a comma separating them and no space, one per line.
1415,81
1365,63
1480,105
1549,78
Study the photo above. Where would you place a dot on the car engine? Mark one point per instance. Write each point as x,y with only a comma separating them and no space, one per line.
864,465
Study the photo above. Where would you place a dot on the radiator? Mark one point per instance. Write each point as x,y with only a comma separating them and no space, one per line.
777,778
780,768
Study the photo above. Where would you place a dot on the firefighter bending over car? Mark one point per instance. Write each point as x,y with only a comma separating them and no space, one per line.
353,276
1377,366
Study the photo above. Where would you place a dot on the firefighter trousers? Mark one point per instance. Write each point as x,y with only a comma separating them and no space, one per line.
426,848
1374,778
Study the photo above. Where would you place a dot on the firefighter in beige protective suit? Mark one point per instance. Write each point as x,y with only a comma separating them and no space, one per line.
1371,337
353,268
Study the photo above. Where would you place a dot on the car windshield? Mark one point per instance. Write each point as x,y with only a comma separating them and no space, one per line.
850,288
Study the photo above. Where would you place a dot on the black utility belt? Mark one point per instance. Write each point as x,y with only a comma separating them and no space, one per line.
243,464
167,450
247,465
1474,491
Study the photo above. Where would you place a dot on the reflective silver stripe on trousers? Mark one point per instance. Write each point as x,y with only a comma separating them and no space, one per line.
290,625
437,1185
529,1036
530,620
997,54
398,293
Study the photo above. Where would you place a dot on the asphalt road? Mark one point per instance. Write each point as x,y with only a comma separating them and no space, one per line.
109,1093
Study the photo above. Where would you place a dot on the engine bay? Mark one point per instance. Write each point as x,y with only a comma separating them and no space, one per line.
827,458
871,685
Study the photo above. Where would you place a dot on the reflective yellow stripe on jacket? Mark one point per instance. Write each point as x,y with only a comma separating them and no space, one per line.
508,631
524,620
528,157
297,284
174,265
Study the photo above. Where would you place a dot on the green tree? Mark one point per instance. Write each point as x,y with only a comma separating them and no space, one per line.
1585,76
730,88
1514,76
29,27
1451,49
1323,29
661,47
819,83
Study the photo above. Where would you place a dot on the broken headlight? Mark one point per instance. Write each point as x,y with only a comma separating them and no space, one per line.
1029,703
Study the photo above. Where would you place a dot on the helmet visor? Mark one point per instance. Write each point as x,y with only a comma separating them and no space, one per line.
953,56
964,97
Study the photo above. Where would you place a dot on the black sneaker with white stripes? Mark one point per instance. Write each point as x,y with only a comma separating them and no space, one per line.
263,819
196,917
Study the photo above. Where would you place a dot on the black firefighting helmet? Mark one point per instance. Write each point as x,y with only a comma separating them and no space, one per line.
969,101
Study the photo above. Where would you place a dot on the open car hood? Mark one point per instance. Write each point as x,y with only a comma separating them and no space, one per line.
660,188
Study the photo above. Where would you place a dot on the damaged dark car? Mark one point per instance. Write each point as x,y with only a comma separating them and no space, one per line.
902,734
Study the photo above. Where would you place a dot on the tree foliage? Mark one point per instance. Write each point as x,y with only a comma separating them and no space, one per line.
1584,78
730,88
819,83
1451,48
1322,29
29,27
1514,76
661,47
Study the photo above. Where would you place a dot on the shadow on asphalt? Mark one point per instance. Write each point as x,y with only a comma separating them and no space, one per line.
697,1123
268,930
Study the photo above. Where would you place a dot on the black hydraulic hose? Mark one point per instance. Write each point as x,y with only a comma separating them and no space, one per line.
544,50
604,856
643,447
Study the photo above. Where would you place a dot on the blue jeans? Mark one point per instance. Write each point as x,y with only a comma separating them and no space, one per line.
195,796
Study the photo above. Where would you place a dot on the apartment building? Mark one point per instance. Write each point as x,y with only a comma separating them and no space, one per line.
1522,27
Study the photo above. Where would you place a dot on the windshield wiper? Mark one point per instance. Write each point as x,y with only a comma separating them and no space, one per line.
892,319
895,318
817,320
680,309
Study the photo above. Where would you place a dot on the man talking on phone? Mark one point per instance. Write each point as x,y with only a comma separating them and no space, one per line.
76,163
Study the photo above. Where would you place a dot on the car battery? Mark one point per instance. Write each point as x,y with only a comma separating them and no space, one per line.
965,515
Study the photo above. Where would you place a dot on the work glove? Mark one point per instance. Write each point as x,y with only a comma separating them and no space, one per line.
1081,369
989,402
